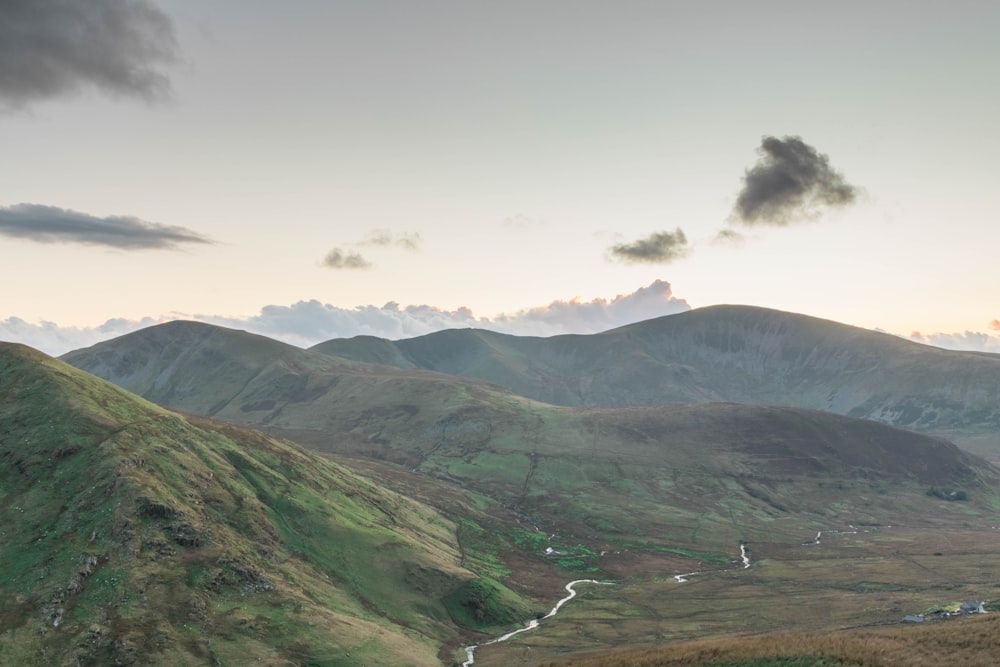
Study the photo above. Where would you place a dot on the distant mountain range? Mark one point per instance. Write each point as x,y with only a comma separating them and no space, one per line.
733,354
722,353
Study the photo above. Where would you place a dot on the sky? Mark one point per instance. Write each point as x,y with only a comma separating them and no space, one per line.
316,169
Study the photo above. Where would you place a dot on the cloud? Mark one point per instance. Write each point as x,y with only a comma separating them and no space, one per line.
657,248
53,48
306,323
49,224
995,325
596,315
790,182
54,339
340,259
309,322
521,221
384,237
729,237
970,341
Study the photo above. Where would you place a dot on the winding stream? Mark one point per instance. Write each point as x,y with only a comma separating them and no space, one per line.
571,589
533,623
680,578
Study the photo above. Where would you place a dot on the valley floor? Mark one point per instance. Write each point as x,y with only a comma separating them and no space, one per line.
872,577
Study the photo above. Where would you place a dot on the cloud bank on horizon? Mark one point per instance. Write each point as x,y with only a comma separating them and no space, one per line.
307,323
55,48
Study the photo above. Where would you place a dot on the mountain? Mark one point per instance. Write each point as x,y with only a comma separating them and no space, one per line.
721,353
602,471
133,535
184,364
634,494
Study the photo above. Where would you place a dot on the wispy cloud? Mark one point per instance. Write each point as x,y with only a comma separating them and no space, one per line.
309,322
385,237
657,248
791,182
729,237
49,224
53,48
345,259
520,221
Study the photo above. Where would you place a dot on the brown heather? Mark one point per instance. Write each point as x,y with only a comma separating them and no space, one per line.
970,642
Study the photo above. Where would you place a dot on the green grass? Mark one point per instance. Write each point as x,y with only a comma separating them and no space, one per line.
131,531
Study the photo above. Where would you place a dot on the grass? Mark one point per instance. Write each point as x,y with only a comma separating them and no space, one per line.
132,535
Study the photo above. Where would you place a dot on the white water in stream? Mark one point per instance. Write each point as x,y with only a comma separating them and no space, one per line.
533,623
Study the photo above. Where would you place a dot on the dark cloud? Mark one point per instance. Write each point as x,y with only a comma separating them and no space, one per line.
49,224
51,48
384,237
657,248
340,259
791,181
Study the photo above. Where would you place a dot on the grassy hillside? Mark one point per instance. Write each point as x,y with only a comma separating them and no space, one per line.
135,536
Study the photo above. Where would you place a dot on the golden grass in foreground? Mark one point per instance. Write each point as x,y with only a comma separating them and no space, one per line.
970,642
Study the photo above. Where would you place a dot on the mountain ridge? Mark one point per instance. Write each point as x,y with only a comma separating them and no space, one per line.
726,353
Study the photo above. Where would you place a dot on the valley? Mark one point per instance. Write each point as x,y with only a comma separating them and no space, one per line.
482,501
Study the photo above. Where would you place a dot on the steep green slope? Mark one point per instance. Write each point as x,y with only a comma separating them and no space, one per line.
724,353
135,536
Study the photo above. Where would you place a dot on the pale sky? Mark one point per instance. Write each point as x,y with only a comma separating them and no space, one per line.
315,169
